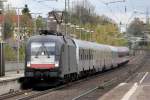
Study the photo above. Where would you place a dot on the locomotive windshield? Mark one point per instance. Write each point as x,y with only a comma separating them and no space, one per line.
45,48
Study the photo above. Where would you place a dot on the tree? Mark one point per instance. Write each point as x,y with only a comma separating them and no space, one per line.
136,27
26,20
26,11
8,26
105,29
83,14
40,23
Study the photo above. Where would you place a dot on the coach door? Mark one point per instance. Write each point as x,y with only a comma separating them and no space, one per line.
72,63
64,59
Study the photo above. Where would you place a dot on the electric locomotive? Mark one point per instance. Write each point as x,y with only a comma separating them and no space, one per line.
51,56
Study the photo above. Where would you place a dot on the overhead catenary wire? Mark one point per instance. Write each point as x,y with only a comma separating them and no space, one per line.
111,11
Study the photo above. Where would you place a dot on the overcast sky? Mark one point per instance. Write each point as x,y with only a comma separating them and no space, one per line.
116,11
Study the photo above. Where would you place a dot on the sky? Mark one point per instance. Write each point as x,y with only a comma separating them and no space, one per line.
115,10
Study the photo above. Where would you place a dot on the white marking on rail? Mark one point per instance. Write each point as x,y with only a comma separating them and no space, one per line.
130,92
143,77
121,84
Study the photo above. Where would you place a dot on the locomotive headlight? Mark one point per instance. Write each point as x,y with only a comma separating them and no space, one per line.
56,64
28,64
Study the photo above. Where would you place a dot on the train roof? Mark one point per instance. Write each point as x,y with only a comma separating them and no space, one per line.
89,45
113,48
123,49
53,38
45,38
78,43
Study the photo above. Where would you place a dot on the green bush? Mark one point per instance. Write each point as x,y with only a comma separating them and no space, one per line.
11,53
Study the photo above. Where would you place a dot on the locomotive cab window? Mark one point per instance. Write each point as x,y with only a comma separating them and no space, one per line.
45,48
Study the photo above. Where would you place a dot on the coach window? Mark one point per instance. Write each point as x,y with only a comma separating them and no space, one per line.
92,54
80,54
86,54
89,54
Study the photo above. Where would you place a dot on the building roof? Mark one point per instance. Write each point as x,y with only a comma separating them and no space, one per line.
14,18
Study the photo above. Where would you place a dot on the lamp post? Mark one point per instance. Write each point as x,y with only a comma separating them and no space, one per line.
78,29
18,56
72,28
3,22
88,32
81,31
68,28
91,35
1,26
18,38
63,27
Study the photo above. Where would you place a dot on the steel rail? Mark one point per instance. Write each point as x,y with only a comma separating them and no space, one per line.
13,94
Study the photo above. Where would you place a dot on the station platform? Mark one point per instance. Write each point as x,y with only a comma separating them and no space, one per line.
9,82
11,76
137,89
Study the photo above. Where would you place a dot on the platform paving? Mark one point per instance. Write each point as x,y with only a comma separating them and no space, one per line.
10,82
136,89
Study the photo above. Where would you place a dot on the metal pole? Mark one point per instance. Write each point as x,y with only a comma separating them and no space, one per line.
65,16
35,25
3,1
1,67
90,38
18,42
80,33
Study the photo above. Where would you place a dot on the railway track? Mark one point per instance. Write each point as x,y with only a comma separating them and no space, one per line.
29,94
102,86
13,94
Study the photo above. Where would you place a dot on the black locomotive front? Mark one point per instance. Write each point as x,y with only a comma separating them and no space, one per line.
43,57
